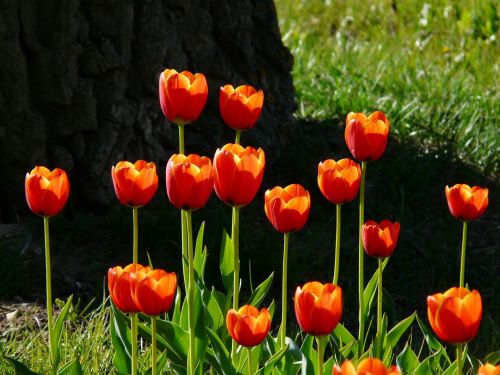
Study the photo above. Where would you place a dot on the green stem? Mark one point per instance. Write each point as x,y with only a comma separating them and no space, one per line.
250,361
238,137
135,246
321,342
185,268
462,258
337,245
48,287
192,323
153,345
361,286
133,329
379,308
235,236
181,139
459,359
284,277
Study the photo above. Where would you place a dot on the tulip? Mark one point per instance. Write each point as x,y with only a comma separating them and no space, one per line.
365,136
240,107
379,240
182,95
190,181
339,181
372,366
155,291
489,369
46,191
287,208
466,203
248,326
122,283
238,173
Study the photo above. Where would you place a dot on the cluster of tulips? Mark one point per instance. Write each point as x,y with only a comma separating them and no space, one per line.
236,173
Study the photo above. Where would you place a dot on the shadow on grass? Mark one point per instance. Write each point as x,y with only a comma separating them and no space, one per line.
406,184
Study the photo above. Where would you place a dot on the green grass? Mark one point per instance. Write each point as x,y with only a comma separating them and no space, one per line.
433,67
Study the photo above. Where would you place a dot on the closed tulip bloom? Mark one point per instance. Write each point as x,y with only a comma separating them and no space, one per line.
368,366
339,181
182,95
154,293
121,284
318,307
240,107
248,326
465,202
238,173
190,181
365,136
379,240
489,369
135,184
46,191
287,208
455,315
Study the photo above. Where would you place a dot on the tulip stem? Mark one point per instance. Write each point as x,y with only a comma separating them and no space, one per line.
135,230
462,258
250,361
361,286
48,287
321,342
192,333
133,331
185,268
337,245
284,277
459,359
181,139
379,308
238,137
235,236
153,345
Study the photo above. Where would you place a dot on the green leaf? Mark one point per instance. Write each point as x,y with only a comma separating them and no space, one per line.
72,368
214,315
346,341
407,360
271,362
394,335
226,263
221,353
309,356
200,254
20,368
424,368
176,315
493,358
261,291
120,339
161,364
371,288
429,336
201,340
212,360
57,329
451,370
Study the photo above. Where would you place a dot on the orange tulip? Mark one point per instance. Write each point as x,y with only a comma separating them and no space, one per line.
121,284
240,108
466,203
366,137
248,326
455,315
368,366
287,209
46,191
135,184
339,181
238,173
318,307
489,369
154,293
182,95
379,240
190,181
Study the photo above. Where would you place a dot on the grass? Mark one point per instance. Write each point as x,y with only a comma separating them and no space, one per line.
433,67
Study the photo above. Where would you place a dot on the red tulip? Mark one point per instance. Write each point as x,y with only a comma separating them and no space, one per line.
46,191
455,315
318,307
368,366
190,181
287,209
379,240
240,108
238,173
339,181
135,184
182,95
154,293
248,326
466,203
121,284
489,369
366,137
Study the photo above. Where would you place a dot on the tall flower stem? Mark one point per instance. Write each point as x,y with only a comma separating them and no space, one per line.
191,317
361,282
459,359
337,245
284,277
379,308
181,139
153,345
135,230
250,361
133,331
238,137
48,287
321,342
235,236
462,258
185,270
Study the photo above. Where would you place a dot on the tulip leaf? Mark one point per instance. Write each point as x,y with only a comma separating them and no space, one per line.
161,364
201,340
474,362
293,357
176,315
200,254
271,362
328,366
261,291
424,368
407,360
221,353
309,356
493,358
371,288
395,334
72,368
212,361
20,368
343,334
429,336
214,315
120,339
226,263
451,370
57,329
